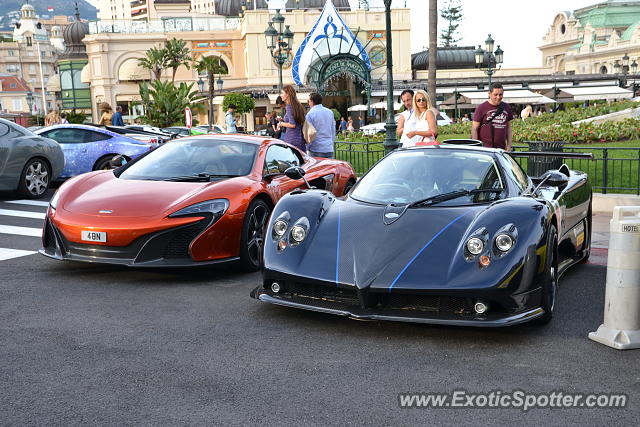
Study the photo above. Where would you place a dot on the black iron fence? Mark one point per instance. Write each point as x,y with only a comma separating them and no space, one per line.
613,169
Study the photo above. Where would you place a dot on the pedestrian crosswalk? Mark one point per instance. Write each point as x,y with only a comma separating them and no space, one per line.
21,227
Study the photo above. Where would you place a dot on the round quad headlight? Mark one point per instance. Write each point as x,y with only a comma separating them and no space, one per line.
504,242
298,233
475,246
280,227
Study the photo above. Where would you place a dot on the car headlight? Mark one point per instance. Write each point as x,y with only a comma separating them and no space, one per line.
280,227
504,242
475,245
298,233
215,207
54,200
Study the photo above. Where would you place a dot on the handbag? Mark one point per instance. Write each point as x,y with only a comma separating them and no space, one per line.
309,131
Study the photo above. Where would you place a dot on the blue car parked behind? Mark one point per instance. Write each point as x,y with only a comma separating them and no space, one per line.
88,148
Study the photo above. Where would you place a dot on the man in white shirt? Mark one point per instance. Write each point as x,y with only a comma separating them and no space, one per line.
406,121
230,119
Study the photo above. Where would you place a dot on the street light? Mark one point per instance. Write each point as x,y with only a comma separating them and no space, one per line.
30,103
279,42
494,59
390,141
624,69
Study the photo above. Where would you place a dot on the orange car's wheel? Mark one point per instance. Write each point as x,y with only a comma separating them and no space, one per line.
253,231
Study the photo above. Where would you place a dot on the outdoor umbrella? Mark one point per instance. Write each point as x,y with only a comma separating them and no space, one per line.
383,105
359,107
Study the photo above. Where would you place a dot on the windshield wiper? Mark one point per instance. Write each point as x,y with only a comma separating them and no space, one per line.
205,177
429,201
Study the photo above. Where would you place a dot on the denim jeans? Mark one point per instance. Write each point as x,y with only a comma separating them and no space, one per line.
328,155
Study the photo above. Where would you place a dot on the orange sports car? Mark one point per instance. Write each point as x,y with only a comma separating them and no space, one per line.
195,201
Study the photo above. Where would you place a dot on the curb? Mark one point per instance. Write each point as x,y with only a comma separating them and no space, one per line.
604,203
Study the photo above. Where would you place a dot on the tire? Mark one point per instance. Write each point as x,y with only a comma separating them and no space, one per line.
104,163
550,281
347,187
253,232
35,178
587,249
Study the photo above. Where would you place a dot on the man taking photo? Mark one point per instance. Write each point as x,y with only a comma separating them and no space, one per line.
491,120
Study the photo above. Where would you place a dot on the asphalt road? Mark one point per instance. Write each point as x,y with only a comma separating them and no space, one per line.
93,344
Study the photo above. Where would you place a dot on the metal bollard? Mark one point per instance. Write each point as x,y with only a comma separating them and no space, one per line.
621,327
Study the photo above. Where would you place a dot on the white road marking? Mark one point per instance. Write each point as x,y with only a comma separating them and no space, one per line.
21,231
22,214
6,254
29,202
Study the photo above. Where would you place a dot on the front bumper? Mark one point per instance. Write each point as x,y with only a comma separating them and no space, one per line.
166,248
419,306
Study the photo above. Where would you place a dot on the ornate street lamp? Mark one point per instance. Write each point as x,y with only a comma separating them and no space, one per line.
279,42
30,104
220,82
623,68
494,59
201,85
390,141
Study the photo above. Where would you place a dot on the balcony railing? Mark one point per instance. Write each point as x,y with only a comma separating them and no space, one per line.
168,25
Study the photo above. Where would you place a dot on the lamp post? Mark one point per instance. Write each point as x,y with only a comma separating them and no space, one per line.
494,59
390,141
30,104
623,68
279,42
634,70
201,88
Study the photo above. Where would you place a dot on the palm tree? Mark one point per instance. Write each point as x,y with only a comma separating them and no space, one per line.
212,66
155,60
433,49
177,54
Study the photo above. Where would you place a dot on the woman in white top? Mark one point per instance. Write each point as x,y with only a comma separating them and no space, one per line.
426,127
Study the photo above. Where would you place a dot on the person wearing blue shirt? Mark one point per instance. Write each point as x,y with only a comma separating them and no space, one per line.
230,119
322,119
116,119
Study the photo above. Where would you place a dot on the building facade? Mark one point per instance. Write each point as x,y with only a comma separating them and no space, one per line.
31,56
239,42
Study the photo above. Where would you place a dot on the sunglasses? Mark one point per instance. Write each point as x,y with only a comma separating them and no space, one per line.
421,100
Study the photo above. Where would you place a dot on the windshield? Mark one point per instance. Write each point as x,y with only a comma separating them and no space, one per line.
194,157
415,175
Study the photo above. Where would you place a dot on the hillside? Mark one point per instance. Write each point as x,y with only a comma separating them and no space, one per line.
10,10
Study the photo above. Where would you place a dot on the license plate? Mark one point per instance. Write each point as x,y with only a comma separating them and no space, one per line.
94,236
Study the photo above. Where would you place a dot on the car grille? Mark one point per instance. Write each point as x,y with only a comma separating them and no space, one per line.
349,298
178,246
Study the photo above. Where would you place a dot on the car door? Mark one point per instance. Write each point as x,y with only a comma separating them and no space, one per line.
277,159
75,147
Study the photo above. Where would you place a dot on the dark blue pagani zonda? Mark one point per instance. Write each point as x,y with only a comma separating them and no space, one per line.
443,234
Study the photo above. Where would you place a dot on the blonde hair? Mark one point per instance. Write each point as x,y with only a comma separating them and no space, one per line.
424,94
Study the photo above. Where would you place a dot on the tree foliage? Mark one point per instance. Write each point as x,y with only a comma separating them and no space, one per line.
453,15
244,103
164,103
155,60
177,53
211,65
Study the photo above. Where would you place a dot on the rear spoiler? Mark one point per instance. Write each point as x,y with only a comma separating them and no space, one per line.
551,154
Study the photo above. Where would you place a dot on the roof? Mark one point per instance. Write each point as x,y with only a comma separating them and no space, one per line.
595,93
613,14
447,58
20,84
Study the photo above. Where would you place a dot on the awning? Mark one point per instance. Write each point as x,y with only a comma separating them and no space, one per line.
53,84
303,97
594,93
521,96
131,71
383,105
128,98
85,75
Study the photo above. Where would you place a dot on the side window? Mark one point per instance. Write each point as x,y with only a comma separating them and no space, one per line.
4,129
14,132
66,136
96,136
516,173
279,158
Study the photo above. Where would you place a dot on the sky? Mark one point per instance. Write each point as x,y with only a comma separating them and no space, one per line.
517,26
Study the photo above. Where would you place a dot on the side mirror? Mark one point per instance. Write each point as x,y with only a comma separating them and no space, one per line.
118,160
295,172
555,178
